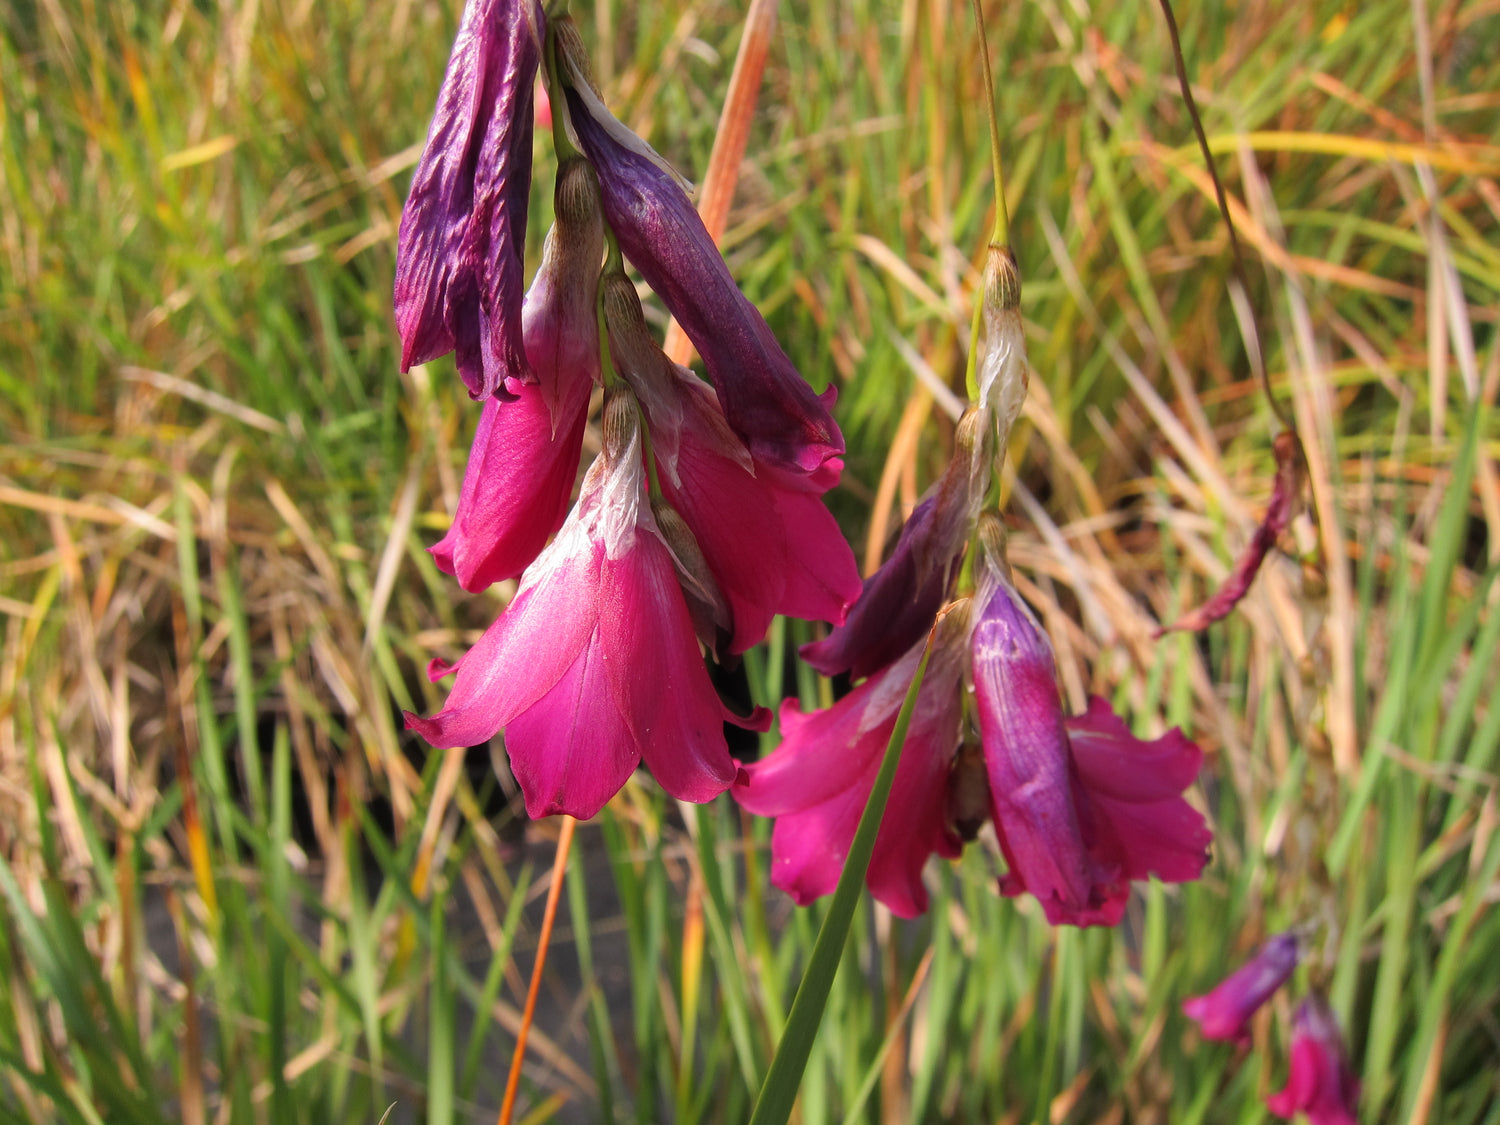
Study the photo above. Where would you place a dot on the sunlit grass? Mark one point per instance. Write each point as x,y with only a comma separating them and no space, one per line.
234,889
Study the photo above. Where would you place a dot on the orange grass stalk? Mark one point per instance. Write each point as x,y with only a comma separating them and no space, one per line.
554,891
729,143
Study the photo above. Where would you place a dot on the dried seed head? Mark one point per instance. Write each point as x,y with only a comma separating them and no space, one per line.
1002,280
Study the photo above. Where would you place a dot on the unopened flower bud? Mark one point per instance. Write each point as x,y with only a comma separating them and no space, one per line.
641,363
712,618
992,539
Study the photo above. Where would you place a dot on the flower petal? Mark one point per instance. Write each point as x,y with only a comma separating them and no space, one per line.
528,649
657,677
459,268
516,487
570,750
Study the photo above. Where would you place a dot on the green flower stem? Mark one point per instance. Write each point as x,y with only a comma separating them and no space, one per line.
778,1093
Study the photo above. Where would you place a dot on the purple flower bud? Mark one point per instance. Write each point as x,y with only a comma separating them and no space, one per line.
1225,1012
900,600
1321,1083
460,258
1285,497
1081,806
765,399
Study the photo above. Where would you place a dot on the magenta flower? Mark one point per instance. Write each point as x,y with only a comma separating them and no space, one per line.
1321,1083
524,461
770,545
562,669
818,780
1081,806
765,399
460,261
1225,1012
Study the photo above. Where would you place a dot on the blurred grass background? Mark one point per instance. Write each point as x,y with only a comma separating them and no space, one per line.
234,890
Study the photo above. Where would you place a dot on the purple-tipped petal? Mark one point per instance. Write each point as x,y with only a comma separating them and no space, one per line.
1321,1083
1286,495
459,263
895,608
1225,1012
766,400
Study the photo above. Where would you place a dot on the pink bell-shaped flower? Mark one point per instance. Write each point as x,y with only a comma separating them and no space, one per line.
524,460
594,666
1321,1083
817,782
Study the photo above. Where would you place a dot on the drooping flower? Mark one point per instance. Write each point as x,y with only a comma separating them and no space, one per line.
1225,1012
900,600
561,670
1081,806
1286,495
770,545
817,782
765,399
460,257
524,460
1321,1083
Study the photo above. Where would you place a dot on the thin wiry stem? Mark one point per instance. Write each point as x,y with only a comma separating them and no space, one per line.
1000,235
1241,278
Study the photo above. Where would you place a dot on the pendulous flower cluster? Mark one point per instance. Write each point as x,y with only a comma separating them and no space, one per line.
700,519
1321,1082
1081,807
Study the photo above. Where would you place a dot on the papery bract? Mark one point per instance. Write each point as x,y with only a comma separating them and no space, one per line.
765,399
1225,1012
1081,806
817,782
594,666
459,263
1321,1083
